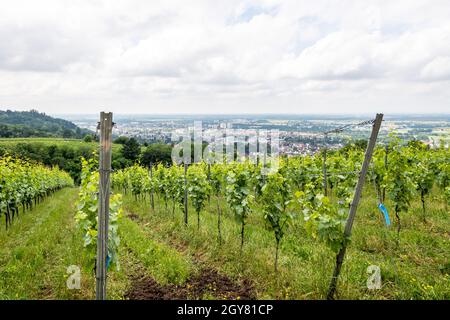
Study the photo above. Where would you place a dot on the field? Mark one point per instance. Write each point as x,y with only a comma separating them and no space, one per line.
161,258
59,142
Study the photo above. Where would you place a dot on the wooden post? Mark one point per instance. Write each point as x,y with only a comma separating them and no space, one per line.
185,195
103,203
152,198
354,204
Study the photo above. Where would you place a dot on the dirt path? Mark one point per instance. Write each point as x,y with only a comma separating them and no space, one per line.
208,283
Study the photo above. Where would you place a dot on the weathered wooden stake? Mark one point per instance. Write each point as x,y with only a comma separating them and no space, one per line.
103,202
354,204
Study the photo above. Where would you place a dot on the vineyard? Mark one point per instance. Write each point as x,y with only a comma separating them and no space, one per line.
23,184
230,231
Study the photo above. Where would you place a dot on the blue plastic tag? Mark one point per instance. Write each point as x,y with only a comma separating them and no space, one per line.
108,261
385,212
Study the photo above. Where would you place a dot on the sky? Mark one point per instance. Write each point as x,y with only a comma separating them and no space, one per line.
225,56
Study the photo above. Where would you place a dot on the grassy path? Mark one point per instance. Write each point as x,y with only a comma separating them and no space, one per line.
30,251
161,262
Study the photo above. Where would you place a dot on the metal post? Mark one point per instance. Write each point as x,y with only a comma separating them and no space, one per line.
354,204
103,202
185,195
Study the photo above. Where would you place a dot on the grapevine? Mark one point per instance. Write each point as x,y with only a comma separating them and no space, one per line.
87,212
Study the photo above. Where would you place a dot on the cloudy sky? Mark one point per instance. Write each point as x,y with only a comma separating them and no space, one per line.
225,56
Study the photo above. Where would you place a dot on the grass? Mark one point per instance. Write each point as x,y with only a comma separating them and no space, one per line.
162,262
32,250
36,251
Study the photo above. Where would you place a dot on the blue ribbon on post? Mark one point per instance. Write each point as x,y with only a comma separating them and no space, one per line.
385,213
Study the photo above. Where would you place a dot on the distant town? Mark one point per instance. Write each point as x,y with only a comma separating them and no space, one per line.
298,134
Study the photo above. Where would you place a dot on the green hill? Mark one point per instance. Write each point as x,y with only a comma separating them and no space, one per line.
23,124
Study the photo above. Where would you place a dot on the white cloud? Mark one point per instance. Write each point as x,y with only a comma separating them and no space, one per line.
225,56
437,69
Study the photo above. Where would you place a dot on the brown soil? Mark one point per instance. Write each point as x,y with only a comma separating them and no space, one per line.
134,217
208,283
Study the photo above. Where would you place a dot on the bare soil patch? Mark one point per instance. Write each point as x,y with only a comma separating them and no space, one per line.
208,283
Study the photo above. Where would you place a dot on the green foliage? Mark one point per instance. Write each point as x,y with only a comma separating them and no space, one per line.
447,194
157,153
275,197
341,177
131,149
358,145
441,167
87,213
138,180
217,177
322,219
176,177
399,177
238,193
198,188
299,184
15,124
423,175
21,182
258,180
378,171
121,140
162,183
57,152
88,138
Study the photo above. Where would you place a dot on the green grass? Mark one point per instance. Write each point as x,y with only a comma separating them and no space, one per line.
31,251
162,262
